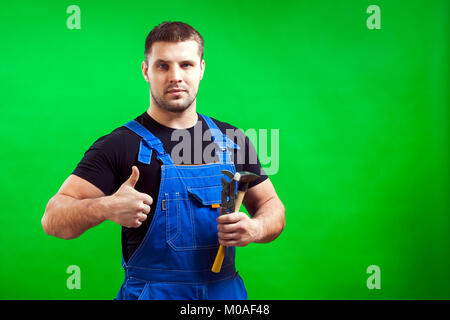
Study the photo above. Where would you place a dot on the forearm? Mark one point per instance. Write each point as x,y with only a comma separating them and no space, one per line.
271,220
67,217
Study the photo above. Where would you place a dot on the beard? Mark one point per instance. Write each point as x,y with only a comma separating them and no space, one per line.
173,105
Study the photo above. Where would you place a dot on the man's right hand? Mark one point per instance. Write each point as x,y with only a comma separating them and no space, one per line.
129,207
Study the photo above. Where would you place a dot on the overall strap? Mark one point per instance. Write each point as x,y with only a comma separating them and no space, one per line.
148,143
221,140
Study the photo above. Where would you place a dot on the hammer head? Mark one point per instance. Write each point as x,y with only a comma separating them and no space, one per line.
245,177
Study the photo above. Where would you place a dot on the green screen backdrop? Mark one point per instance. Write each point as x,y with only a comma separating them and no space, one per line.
362,119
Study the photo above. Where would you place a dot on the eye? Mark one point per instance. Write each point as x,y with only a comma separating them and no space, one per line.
162,65
186,64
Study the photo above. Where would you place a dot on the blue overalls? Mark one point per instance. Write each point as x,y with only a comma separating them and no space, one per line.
175,257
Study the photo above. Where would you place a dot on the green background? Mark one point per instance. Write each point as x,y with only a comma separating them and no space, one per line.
363,125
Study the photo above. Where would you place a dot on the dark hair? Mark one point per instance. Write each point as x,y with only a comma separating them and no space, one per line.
173,31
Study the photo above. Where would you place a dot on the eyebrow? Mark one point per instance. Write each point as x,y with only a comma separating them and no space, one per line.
164,61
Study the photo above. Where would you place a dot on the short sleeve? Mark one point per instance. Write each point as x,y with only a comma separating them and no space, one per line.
252,164
100,163
246,157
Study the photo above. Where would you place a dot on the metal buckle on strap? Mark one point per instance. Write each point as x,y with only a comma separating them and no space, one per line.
156,145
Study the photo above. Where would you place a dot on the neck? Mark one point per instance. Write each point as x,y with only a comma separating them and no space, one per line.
175,120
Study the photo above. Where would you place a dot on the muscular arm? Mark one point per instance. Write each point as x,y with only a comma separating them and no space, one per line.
264,206
76,207
79,206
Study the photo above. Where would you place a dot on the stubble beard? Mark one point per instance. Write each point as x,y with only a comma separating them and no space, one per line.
168,106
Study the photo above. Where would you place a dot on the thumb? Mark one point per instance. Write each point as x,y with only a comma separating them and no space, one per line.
133,178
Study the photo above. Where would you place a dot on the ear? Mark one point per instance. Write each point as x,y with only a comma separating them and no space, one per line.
202,66
144,68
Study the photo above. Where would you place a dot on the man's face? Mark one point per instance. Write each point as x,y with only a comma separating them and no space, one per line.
174,72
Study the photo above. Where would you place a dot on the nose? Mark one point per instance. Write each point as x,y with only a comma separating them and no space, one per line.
175,75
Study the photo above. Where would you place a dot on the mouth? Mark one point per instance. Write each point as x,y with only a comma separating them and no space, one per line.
176,92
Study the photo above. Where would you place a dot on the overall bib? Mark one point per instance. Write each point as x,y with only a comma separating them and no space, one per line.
175,257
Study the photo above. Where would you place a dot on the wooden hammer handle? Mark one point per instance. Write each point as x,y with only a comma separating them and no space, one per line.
239,198
221,252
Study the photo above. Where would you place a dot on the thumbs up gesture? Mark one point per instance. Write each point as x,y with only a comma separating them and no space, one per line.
129,207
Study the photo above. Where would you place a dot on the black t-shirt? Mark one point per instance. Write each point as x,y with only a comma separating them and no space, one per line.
107,163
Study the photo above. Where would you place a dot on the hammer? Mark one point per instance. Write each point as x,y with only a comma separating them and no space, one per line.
243,178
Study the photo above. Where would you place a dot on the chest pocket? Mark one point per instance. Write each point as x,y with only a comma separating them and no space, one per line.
191,218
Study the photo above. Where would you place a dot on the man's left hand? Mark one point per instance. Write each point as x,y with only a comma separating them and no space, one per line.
237,229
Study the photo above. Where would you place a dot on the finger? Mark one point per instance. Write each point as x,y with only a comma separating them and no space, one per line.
146,198
230,217
136,224
228,228
145,209
229,236
142,217
132,180
230,243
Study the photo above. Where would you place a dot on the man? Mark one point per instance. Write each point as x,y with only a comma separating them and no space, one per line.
165,197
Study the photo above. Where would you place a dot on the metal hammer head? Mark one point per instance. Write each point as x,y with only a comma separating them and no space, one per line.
244,178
